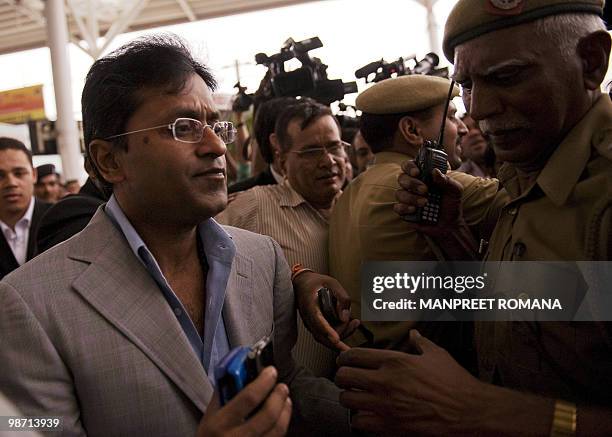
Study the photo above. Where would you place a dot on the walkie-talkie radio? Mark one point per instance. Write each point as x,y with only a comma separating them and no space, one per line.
431,156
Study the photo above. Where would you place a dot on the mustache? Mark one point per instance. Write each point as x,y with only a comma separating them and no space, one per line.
328,175
489,127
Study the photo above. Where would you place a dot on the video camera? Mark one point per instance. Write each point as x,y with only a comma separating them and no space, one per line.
381,70
310,80
242,101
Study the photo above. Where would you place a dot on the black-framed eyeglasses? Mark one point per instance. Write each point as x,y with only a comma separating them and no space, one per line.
189,130
336,149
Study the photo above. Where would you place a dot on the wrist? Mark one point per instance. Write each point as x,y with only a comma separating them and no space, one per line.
298,270
505,412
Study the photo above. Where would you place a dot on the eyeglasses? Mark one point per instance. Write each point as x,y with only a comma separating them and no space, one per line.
189,130
336,149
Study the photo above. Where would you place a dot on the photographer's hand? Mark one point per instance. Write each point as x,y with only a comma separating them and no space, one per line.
305,286
272,420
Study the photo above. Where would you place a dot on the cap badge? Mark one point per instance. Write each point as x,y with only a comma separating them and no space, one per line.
504,7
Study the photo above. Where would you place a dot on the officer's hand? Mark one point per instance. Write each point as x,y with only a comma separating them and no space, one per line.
272,420
306,286
397,393
413,194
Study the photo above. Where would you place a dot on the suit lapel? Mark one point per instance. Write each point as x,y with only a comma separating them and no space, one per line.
120,288
8,263
39,210
238,306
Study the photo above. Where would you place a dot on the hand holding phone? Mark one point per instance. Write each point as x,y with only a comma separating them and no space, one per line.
241,366
328,304
306,287
263,408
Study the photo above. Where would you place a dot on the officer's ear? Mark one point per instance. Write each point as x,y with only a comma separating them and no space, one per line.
409,129
106,158
594,52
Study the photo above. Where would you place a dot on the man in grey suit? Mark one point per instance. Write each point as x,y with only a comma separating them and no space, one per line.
118,329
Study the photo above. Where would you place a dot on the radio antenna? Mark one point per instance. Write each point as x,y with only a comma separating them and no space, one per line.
448,99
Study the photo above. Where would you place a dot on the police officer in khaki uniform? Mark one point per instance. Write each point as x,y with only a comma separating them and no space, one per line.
531,73
398,115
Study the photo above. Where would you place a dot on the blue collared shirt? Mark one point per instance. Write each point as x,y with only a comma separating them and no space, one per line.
219,250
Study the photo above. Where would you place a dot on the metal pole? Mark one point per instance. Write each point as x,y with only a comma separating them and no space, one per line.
432,27
68,134
237,66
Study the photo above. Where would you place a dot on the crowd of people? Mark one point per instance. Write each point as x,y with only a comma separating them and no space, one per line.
118,301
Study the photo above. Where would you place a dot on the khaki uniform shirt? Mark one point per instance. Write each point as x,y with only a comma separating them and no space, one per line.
364,227
565,215
301,231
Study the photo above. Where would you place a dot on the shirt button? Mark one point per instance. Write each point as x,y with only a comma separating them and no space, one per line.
523,296
519,249
513,210
178,312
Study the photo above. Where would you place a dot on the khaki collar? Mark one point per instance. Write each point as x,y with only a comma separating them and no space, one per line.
390,157
563,169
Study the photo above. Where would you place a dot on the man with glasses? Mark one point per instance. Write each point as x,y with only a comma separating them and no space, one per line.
118,330
296,212
531,74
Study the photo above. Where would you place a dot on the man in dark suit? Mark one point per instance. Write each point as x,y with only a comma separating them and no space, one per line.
20,212
70,215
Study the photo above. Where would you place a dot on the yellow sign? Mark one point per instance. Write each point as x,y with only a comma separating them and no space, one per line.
22,105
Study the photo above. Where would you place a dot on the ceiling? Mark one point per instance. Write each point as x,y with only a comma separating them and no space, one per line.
94,23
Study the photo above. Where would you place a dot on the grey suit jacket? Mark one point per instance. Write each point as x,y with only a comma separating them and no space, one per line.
86,334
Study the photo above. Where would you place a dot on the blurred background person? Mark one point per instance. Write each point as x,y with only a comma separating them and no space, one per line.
477,155
48,187
361,154
72,213
264,126
20,212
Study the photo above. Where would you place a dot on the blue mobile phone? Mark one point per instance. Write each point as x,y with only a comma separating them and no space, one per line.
241,366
